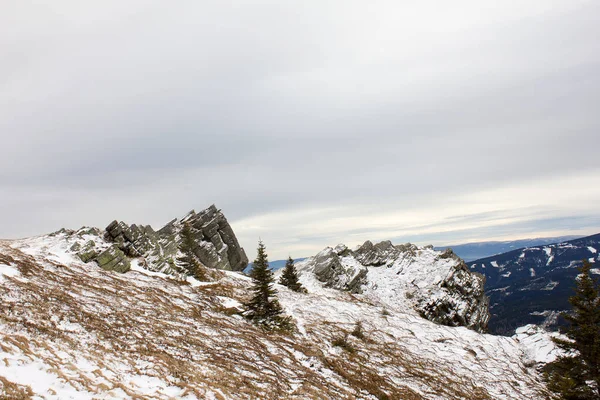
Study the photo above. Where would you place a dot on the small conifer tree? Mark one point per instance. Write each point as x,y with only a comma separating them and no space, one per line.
289,277
188,260
577,375
264,308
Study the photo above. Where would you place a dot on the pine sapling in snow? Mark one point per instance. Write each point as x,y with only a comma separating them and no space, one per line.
289,277
188,260
263,308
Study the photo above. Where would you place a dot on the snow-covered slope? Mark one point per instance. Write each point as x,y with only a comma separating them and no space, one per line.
436,285
70,330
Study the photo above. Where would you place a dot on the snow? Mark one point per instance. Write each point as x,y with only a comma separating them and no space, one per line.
506,275
8,270
537,344
228,302
388,285
595,271
548,251
23,370
551,285
494,264
135,266
442,345
532,271
592,250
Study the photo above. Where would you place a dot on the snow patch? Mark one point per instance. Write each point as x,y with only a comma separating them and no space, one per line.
228,302
8,270
551,285
537,344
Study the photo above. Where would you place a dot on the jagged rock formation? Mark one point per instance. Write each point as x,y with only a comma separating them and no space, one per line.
216,244
328,268
438,285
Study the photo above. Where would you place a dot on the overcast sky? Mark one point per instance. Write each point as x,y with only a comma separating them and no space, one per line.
309,123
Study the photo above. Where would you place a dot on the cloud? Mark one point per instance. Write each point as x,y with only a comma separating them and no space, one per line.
316,122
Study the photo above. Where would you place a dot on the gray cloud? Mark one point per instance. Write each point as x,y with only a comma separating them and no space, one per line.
140,111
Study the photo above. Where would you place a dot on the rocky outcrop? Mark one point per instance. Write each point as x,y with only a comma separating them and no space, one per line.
376,254
86,253
439,286
329,269
215,244
466,303
113,259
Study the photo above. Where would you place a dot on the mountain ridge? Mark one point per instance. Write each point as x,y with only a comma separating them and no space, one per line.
437,284
478,250
532,285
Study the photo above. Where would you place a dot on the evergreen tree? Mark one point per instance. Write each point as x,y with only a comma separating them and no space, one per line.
577,375
289,277
188,260
264,308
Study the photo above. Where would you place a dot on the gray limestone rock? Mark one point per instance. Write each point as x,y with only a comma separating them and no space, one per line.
328,268
376,255
113,259
88,252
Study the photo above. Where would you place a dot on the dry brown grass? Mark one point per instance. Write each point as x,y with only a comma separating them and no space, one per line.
12,391
180,331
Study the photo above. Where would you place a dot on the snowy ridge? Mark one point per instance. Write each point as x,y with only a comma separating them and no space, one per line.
433,284
70,330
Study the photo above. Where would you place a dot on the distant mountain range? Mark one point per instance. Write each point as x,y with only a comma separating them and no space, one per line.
474,251
533,284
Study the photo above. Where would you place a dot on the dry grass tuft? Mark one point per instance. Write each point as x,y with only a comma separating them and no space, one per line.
12,391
